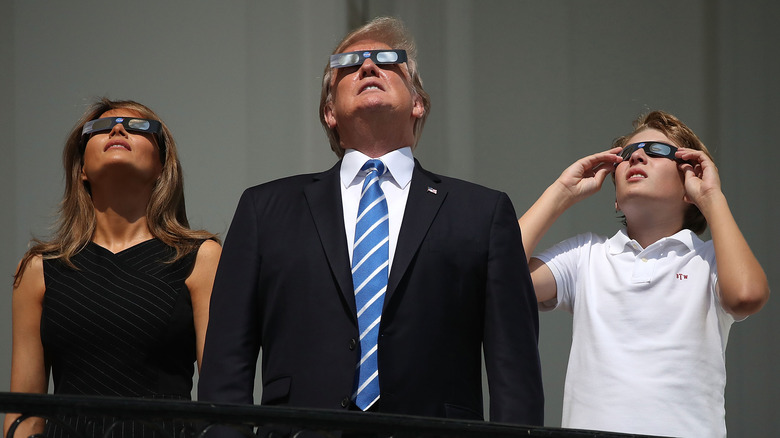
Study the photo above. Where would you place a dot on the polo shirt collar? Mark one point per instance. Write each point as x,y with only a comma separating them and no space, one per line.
620,242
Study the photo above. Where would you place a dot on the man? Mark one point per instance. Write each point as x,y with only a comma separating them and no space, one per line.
379,297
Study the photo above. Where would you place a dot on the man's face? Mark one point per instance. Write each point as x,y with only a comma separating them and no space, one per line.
370,88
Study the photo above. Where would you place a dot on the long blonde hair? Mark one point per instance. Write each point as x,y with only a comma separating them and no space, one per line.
166,214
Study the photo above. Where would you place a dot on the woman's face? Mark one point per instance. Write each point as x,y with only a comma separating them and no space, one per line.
119,152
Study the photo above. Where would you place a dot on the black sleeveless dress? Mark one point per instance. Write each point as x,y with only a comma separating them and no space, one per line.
122,326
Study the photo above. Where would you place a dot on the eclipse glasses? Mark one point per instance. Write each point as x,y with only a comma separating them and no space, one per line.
133,124
351,59
651,148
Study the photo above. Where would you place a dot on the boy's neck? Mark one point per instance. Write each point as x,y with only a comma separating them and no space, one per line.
647,232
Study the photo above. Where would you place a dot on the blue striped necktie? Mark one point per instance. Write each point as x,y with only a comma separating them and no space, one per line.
370,266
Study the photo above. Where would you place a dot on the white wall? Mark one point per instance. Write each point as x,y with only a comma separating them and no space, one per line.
520,89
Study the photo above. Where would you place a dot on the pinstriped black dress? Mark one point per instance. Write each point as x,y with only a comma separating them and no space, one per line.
121,325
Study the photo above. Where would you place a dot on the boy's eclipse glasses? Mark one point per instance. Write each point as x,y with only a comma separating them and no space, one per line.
652,149
351,59
131,124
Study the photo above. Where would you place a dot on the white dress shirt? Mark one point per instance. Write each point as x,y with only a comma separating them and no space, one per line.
394,183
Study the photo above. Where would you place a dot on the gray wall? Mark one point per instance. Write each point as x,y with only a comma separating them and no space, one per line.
520,89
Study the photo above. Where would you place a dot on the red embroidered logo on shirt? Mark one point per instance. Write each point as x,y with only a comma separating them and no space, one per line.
682,276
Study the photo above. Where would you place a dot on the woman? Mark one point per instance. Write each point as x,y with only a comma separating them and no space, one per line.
116,304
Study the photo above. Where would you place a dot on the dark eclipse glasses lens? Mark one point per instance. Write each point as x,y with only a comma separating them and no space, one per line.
131,124
652,148
351,59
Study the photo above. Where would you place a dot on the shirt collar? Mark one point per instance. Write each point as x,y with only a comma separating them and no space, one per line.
400,164
620,242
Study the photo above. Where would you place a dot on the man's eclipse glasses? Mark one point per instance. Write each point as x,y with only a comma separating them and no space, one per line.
351,59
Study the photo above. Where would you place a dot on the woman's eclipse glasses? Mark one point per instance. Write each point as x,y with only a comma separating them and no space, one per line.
131,124
144,126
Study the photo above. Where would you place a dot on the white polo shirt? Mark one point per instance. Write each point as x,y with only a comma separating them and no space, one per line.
649,334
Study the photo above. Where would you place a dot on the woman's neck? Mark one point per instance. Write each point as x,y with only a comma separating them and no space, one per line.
120,213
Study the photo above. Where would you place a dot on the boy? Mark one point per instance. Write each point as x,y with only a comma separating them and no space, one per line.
653,304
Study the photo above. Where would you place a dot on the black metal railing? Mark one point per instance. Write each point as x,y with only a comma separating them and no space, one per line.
255,420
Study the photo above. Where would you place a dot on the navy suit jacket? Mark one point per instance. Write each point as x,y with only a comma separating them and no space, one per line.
459,281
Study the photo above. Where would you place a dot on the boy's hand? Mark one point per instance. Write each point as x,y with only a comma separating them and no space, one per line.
586,175
702,180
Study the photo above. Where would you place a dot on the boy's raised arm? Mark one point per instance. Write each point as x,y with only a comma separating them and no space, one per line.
743,285
580,180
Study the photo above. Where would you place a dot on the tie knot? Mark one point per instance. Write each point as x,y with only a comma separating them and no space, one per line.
375,165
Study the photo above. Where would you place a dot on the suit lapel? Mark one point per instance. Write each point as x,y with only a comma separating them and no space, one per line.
324,198
426,195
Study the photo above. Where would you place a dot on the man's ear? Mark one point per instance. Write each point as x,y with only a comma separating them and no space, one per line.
418,110
617,207
329,115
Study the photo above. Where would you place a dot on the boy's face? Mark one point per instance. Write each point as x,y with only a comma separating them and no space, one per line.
649,185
